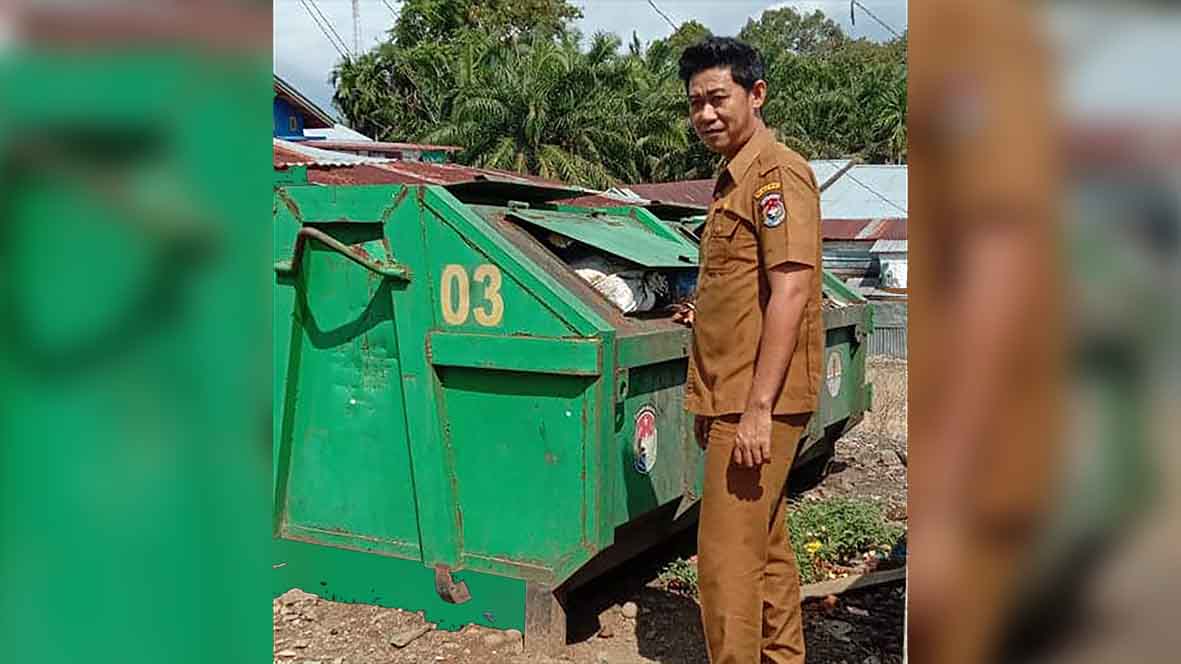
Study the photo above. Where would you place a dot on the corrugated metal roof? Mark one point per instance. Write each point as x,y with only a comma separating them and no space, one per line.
338,132
690,192
618,198
326,167
700,191
282,158
867,192
381,146
352,175
863,229
889,247
310,156
825,169
450,173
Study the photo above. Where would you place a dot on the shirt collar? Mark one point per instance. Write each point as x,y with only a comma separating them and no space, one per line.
745,158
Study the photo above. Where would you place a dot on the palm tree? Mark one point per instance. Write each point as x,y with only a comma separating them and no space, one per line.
889,120
599,116
548,109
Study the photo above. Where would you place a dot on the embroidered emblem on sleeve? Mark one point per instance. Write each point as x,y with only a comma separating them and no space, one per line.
771,206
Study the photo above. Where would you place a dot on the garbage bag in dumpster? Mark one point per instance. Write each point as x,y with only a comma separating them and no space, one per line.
464,425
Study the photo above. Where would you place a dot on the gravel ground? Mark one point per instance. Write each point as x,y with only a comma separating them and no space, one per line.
861,627
869,459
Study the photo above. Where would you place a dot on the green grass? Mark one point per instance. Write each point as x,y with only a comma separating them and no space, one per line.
835,532
825,534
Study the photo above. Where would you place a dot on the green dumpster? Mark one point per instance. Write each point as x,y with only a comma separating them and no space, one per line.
464,425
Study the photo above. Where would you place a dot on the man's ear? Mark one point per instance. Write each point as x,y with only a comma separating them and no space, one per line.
758,94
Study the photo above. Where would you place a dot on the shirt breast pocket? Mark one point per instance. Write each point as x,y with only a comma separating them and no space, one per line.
732,245
726,248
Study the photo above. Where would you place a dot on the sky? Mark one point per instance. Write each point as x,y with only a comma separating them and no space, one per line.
304,56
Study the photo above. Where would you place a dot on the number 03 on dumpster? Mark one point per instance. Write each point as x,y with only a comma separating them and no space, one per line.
455,295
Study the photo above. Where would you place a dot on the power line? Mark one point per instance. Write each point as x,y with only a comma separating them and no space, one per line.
390,7
663,15
339,40
875,192
328,34
328,22
339,49
853,17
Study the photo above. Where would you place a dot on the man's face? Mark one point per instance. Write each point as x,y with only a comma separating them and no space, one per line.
723,113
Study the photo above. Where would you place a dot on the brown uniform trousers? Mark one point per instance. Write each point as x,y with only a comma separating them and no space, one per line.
749,583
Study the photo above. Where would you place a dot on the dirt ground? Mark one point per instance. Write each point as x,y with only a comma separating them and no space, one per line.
869,459
860,627
863,627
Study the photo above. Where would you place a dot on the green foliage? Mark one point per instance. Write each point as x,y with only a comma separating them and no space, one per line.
679,576
835,531
785,30
663,54
825,533
439,21
509,82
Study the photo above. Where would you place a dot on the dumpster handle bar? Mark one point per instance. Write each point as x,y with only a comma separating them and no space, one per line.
391,270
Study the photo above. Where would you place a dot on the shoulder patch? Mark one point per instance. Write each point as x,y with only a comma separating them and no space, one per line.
772,209
769,187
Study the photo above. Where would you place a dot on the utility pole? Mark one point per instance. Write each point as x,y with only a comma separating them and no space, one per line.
356,28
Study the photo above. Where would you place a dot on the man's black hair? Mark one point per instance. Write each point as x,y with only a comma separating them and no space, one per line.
744,61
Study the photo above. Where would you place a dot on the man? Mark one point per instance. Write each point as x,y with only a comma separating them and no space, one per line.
755,368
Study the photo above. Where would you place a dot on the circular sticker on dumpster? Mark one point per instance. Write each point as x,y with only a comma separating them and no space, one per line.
644,440
832,377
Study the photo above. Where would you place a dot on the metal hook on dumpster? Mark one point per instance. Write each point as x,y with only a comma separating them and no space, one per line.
391,270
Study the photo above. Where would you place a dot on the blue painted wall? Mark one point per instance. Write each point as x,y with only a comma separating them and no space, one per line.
283,114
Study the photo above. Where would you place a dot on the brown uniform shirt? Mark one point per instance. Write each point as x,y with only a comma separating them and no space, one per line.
765,213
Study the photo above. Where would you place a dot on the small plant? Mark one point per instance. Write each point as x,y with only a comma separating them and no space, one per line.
679,576
826,536
836,532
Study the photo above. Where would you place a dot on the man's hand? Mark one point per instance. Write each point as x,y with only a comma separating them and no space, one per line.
684,313
701,430
752,447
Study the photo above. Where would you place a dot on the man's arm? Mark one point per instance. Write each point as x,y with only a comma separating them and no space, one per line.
790,288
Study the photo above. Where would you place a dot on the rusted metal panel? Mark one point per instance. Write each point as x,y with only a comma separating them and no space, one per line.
690,192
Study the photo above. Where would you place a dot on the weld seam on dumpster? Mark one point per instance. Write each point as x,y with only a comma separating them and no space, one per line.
507,568
353,541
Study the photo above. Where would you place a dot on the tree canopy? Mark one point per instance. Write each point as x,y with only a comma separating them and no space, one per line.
516,86
438,21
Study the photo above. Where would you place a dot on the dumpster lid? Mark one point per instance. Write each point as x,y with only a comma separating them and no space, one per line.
625,237
509,189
